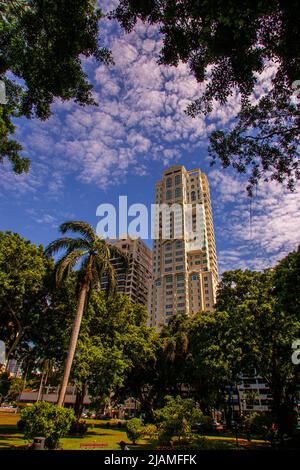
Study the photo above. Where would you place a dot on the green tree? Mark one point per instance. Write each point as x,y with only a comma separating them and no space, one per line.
49,334
260,331
47,420
176,418
23,272
227,44
113,340
42,43
134,429
93,256
259,424
287,283
212,368
5,383
144,378
15,389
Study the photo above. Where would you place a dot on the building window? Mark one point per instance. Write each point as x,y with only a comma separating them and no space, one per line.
177,192
169,306
168,270
194,277
168,195
179,268
177,179
178,260
193,196
168,247
169,182
178,244
169,279
157,283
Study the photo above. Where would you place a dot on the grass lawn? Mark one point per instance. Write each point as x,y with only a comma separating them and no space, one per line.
99,436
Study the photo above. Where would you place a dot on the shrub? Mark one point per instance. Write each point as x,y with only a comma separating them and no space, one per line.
21,425
150,430
176,419
134,429
46,420
78,428
205,424
259,424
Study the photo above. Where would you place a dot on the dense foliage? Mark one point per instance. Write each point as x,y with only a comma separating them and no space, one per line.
134,429
46,420
23,274
176,419
199,358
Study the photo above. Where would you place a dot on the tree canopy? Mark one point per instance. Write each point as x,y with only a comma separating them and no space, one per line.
227,45
23,273
42,44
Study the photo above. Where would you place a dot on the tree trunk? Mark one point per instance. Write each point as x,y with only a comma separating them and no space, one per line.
41,386
45,383
80,394
72,344
12,349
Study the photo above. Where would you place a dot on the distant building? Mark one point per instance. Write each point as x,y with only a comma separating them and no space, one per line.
136,283
14,368
250,394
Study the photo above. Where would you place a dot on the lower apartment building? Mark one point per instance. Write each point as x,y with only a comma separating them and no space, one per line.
251,394
136,282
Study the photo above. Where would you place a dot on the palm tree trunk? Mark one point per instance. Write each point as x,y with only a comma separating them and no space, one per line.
41,386
72,344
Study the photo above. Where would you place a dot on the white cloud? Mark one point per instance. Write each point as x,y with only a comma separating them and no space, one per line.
139,117
265,228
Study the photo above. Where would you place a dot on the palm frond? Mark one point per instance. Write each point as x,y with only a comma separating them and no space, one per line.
77,226
86,267
110,273
66,264
66,243
99,271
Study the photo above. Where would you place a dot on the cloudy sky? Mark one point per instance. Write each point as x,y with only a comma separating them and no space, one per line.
83,157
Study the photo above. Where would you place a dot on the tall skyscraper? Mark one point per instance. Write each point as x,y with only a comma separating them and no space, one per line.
137,282
185,273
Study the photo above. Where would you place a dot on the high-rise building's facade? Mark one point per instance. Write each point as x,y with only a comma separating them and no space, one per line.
185,273
137,282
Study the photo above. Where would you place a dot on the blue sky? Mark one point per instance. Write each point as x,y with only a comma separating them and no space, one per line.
83,157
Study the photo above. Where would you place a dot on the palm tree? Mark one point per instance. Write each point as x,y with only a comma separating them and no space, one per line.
91,256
